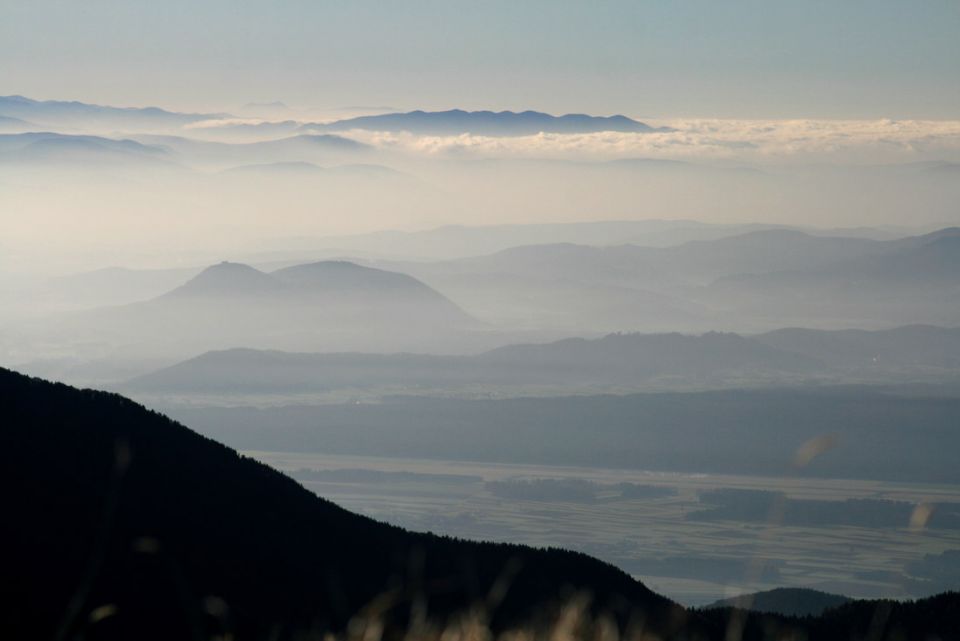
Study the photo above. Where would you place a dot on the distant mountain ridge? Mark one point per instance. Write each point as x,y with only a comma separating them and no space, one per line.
486,123
617,361
760,279
77,149
757,281
48,147
457,241
74,113
449,122
761,250
911,280
9,124
934,256
289,151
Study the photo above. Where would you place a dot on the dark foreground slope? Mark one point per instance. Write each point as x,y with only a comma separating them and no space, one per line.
120,523
936,618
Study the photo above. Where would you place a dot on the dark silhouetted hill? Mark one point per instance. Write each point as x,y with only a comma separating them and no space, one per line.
936,617
119,524
797,602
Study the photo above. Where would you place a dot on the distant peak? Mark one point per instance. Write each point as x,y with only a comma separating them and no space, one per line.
226,264
226,279
227,267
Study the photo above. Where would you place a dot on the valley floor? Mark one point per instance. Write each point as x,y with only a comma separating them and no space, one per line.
691,560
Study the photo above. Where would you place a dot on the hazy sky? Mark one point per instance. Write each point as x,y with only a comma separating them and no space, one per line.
748,59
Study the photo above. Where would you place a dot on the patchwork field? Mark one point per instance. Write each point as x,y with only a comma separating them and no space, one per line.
653,524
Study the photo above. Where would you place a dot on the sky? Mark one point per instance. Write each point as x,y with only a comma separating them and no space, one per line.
655,59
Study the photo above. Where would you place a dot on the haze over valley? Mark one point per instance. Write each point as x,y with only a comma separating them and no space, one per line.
448,321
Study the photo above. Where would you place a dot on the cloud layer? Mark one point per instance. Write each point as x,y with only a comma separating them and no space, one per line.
756,140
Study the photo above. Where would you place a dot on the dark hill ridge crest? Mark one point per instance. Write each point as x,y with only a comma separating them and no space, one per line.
187,521
798,602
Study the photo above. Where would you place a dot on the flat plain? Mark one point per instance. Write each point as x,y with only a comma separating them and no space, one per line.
646,522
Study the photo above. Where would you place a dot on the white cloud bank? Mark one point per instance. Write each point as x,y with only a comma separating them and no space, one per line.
756,140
